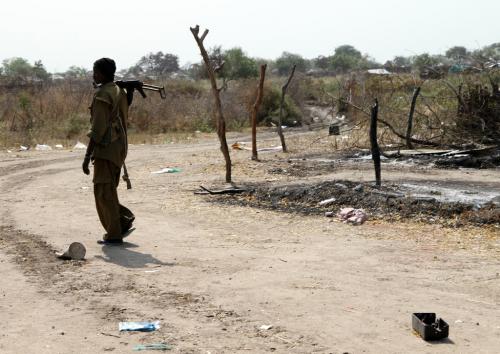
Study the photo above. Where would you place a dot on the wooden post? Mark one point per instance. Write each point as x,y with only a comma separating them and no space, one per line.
280,121
374,144
221,123
255,110
409,128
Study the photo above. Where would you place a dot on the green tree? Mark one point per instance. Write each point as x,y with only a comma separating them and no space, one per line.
400,61
346,58
287,60
39,71
457,53
76,72
156,64
17,68
423,61
321,62
490,52
238,65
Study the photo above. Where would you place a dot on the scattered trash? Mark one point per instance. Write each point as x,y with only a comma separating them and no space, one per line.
59,146
242,146
76,252
139,326
79,146
459,321
429,327
23,148
9,151
352,216
359,188
265,327
166,170
340,185
154,346
327,202
334,129
151,271
329,214
232,190
42,147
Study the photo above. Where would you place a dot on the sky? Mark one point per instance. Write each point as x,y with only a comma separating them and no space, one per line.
77,32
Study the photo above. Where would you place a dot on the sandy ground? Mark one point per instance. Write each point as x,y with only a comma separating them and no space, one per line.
214,274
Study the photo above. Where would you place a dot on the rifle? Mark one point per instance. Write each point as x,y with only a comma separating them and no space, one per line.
132,85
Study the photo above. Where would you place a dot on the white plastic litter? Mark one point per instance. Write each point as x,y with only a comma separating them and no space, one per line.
59,146
166,170
42,147
23,148
265,327
79,146
353,216
327,202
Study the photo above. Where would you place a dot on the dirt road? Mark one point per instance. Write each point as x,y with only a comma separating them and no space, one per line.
214,274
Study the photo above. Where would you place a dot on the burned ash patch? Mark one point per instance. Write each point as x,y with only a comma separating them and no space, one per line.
390,202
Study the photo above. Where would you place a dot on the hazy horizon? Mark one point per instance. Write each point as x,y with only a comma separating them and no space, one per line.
62,34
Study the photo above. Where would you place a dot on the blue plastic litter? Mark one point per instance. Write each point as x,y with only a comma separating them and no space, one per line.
139,326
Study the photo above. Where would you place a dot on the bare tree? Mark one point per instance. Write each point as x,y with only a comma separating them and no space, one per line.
409,128
221,122
374,143
282,103
255,110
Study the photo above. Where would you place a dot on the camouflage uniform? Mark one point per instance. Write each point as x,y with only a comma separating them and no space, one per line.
109,106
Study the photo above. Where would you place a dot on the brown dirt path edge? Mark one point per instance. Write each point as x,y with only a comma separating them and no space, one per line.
213,274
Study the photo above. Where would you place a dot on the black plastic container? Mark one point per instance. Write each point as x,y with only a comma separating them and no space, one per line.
429,327
334,129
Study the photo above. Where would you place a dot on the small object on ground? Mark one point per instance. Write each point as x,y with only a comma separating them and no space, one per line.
232,190
359,188
76,252
9,151
265,327
334,129
241,146
341,186
353,216
154,346
327,202
429,327
79,146
166,170
139,326
23,148
59,146
329,214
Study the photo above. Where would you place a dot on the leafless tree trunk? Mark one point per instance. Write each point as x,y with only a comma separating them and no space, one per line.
282,103
221,123
374,144
409,128
255,110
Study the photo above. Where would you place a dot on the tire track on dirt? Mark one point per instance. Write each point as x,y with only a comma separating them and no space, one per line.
76,284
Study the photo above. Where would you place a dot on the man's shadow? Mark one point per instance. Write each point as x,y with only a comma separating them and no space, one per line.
122,255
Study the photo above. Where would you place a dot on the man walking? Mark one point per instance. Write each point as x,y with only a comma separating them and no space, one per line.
107,149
